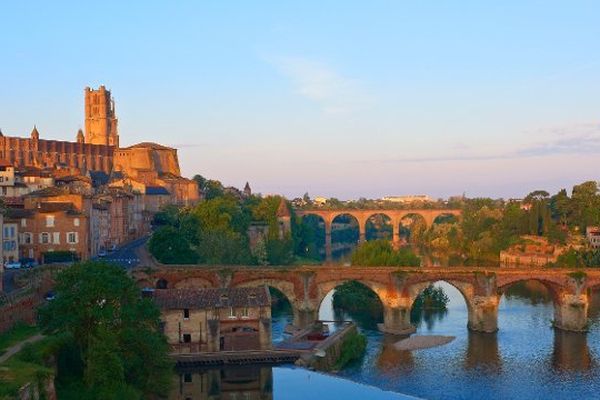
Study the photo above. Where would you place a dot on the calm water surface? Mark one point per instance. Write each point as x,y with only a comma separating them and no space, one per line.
526,359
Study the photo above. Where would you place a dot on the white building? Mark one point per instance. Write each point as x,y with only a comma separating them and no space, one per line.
411,198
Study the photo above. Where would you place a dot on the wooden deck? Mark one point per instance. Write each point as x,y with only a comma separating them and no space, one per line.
235,358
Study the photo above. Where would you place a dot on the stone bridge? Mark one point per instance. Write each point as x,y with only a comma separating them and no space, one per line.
397,288
362,216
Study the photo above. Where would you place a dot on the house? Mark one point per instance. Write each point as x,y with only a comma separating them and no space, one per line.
592,234
210,320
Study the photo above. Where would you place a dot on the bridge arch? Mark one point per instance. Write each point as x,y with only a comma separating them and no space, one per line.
283,286
345,233
324,288
379,225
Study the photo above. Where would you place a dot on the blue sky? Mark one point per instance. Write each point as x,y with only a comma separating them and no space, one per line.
335,98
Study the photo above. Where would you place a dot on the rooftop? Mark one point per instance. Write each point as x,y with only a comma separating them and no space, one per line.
210,298
148,145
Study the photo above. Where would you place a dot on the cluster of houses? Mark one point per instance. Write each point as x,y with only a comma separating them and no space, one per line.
60,210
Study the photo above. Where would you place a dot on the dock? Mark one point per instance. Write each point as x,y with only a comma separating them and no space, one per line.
221,358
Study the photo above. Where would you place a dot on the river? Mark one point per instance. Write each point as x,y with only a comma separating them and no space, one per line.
526,359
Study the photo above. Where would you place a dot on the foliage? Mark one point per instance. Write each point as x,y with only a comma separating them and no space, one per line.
113,331
381,253
358,300
432,298
169,246
353,348
215,231
59,256
579,258
429,304
20,331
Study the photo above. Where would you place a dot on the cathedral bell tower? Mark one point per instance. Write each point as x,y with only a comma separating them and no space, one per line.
100,118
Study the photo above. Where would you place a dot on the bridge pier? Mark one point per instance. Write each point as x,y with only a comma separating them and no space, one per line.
328,250
571,313
483,314
396,321
304,317
396,234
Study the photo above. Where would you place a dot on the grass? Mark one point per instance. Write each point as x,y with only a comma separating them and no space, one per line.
27,366
15,373
16,334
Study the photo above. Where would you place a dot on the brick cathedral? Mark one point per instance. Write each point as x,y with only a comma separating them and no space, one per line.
146,164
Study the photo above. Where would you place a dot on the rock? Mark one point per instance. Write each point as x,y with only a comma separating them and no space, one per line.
422,342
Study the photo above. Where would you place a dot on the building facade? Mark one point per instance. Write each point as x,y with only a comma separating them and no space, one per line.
212,320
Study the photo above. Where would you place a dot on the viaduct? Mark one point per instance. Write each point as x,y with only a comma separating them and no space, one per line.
397,288
362,216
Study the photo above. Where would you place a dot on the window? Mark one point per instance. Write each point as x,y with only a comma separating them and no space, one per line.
23,222
76,222
56,237
245,313
49,220
6,231
72,237
231,312
187,338
187,378
186,313
44,238
26,238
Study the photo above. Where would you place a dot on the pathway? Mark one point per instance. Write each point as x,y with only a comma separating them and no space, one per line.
11,351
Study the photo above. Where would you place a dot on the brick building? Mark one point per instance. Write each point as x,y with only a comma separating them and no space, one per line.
231,319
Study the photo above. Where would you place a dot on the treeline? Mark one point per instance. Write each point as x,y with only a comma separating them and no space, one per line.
489,226
216,230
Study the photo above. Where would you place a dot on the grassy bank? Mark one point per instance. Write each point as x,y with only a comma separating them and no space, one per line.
17,334
30,365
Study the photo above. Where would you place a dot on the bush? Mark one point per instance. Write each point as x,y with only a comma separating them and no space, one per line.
353,348
381,253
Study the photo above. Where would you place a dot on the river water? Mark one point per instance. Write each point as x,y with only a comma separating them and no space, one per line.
525,359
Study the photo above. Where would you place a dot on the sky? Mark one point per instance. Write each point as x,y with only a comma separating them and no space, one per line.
341,99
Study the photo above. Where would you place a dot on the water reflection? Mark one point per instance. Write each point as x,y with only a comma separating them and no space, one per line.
250,382
483,352
525,359
392,359
571,352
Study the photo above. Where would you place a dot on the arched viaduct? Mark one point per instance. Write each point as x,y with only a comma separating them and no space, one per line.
397,288
362,216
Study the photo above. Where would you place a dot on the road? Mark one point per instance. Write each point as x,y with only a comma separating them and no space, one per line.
126,255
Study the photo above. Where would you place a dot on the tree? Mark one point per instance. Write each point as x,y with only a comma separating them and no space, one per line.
112,328
169,246
585,203
381,253
560,205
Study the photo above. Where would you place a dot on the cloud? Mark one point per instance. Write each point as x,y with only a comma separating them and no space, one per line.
576,139
573,139
321,84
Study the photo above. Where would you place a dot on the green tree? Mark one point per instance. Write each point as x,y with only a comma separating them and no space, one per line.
381,253
112,329
169,246
585,203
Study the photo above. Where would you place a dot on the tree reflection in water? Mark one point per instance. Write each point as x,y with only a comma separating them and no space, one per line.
532,291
